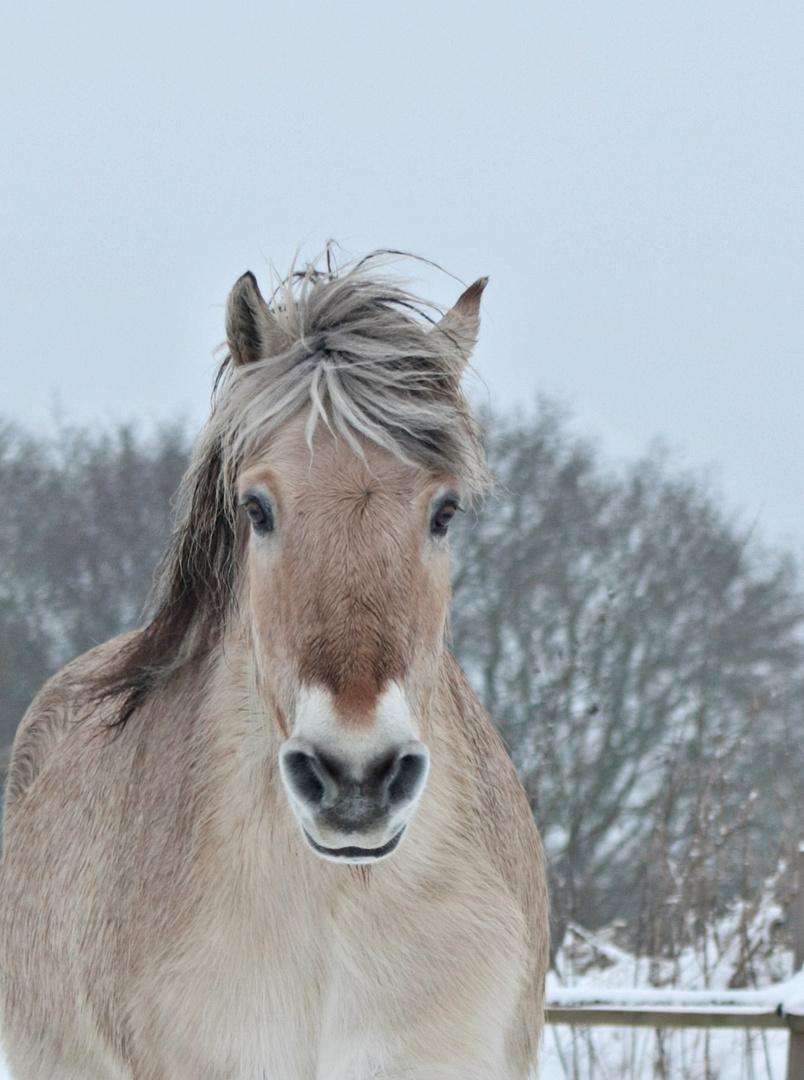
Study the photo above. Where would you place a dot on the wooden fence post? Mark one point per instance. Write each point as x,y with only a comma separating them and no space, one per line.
795,1052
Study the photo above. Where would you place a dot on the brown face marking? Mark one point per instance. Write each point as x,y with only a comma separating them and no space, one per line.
353,586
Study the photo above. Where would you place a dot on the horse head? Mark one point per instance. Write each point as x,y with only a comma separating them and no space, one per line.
345,587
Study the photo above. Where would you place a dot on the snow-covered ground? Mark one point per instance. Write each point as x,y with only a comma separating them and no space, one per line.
741,950
640,1054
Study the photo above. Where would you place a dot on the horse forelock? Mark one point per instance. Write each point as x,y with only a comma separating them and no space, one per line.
366,359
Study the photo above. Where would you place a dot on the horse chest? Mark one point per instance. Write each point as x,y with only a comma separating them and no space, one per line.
344,985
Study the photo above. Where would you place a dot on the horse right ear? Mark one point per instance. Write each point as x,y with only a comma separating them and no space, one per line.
251,330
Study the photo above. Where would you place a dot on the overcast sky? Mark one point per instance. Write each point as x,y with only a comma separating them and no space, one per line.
630,175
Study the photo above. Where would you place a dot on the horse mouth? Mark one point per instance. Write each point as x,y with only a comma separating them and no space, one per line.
356,854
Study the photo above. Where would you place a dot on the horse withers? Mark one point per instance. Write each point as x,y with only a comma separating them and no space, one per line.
273,835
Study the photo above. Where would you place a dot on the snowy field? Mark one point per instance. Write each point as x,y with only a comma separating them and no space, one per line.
589,962
638,1054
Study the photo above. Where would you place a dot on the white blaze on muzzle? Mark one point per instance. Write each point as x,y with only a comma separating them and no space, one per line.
353,789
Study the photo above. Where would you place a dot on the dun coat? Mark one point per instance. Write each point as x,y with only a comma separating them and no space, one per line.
273,835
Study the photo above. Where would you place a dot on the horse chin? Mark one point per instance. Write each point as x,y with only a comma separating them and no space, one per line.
355,856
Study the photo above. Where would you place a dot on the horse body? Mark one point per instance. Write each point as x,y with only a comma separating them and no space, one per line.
305,855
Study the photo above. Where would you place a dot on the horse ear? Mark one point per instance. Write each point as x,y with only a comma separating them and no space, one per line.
462,322
251,330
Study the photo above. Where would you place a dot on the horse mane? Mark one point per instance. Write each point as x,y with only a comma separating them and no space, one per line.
370,361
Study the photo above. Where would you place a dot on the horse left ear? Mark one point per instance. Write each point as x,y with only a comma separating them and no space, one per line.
462,322
251,330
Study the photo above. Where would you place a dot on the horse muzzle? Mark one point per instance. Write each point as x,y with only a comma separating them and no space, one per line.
353,810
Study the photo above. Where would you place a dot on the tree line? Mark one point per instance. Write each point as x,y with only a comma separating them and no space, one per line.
639,649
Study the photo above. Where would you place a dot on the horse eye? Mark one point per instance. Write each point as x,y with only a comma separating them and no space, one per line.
259,514
442,517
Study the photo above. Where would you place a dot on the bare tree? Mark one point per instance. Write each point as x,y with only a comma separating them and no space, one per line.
86,518
618,626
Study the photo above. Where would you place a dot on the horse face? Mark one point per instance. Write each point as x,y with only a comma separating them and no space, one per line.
347,588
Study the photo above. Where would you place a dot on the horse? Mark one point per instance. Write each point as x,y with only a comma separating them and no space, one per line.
272,834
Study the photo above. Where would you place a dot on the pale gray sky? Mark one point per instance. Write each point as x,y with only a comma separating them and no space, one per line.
630,175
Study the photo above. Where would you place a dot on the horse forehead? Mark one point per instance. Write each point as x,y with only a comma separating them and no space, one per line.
330,471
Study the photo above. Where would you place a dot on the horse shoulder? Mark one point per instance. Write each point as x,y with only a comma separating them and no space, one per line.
505,821
59,708
498,796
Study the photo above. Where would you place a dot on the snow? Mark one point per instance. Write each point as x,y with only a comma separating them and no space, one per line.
593,969
640,1054
787,997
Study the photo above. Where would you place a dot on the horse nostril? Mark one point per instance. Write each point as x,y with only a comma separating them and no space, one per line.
406,778
305,775
353,794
